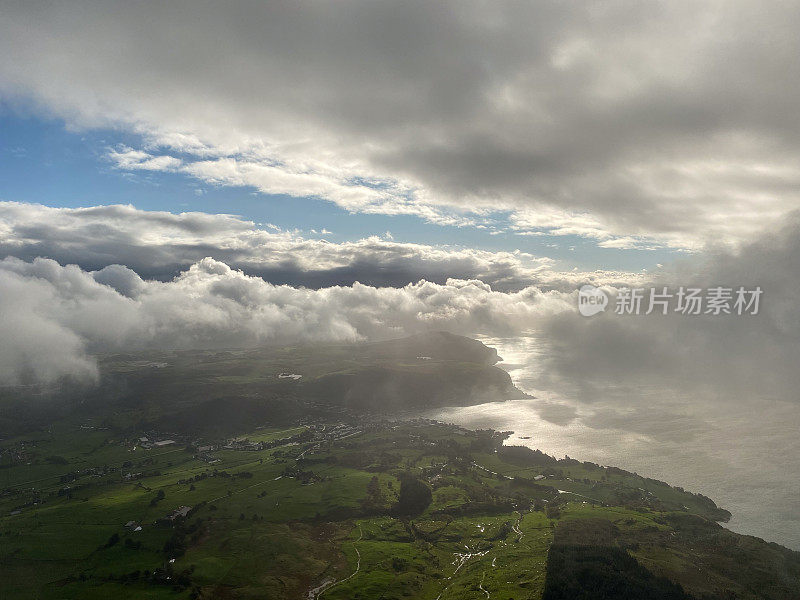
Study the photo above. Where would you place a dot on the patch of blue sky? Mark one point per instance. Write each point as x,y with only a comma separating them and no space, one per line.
41,161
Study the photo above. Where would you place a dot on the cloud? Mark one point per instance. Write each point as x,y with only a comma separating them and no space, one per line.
36,347
54,317
128,158
663,123
159,245
652,123
729,358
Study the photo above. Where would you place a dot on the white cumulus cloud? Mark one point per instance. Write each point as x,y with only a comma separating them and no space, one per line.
55,317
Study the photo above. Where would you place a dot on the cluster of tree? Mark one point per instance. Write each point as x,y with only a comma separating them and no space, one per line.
198,477
367,458
304,477
487,440
522,455
375,500
183,535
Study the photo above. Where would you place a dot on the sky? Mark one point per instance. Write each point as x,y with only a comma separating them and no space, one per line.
202,175
619,126
45,162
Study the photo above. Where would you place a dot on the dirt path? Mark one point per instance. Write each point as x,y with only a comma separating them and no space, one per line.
483,589
515,527
333,584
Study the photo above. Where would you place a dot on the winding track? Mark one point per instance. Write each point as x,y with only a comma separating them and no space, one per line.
483,589
333,584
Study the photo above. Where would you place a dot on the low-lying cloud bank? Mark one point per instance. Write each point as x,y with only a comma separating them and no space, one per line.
160,245
54,317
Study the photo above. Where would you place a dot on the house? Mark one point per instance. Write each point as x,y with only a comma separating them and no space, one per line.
163,443
131,525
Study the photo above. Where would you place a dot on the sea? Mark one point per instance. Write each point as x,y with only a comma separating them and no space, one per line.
745,455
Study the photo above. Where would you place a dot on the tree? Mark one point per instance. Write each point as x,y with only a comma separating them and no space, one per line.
158,498
552,511
399,564
375,498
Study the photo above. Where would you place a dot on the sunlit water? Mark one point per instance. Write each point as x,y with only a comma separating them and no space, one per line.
744,457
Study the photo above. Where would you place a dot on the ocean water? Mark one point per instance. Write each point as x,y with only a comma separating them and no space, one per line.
745,455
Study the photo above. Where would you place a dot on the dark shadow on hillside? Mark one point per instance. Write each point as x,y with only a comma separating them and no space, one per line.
584,564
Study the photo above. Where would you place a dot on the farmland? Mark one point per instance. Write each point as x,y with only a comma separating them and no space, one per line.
86,514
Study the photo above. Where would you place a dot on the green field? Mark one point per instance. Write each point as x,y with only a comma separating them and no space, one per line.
325,514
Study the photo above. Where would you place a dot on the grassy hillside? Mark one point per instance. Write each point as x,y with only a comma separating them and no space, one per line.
329,506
